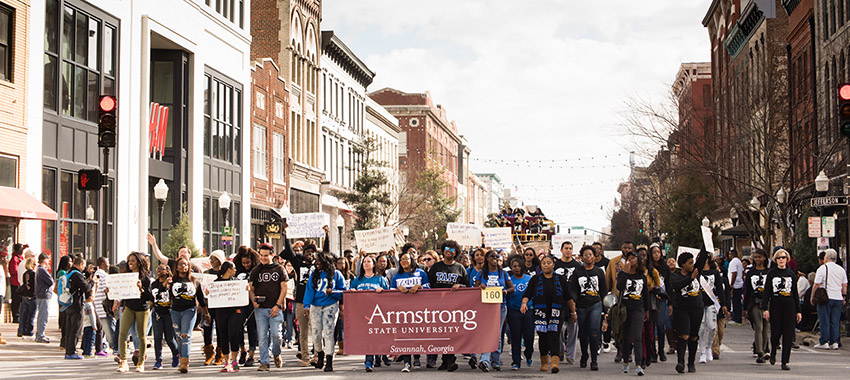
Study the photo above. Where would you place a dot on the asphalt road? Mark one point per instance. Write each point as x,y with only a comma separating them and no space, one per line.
24,359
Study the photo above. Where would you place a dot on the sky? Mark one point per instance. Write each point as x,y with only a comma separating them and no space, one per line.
537,80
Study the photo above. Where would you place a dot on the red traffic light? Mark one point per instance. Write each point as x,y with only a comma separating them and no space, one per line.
844,92
107,104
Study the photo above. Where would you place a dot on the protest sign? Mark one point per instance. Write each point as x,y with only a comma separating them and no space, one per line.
682,250
436,321
464,234
123,286
377,240
201,262
707,239
497,237
308,225
227,294
576,240
205,279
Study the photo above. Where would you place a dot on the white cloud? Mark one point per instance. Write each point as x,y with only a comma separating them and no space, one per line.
539,79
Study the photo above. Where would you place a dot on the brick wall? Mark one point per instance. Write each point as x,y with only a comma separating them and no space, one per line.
13,126
266,81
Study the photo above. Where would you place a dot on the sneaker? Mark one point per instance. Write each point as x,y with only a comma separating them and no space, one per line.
702,358
606,348
101,353
277,362
821,346
386,360
733,323
483,367
368,368
570,361
529,362
473,363
416,363
452,367
594,366
73,357
263,367
514,367
406,368
834,346
42,340
639,371
175,361
497,368
760,360
243,354
234,365
248,362
228,367
140,368
158,364
625,367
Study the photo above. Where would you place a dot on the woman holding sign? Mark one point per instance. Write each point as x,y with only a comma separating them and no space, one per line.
368,280
549,292
186,297
323,303
228,324
492,276
409,279
136,312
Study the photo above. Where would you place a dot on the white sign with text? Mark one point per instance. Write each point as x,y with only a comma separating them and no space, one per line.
464,234
497,237
308,225
377,240
123,286
227,294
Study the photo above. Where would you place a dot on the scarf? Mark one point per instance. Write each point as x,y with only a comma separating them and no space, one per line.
547,318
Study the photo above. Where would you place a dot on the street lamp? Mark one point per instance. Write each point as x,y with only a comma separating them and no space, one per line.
755,203
733,214
224,204
822,183
705,221
780,196
160,192
340,225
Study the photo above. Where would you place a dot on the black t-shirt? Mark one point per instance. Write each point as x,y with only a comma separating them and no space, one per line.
143,302
603,262
172,263
780,286
28,286
633,288
754,282
566,268
266,281
446,276
685,291
587,286
161,298
185,293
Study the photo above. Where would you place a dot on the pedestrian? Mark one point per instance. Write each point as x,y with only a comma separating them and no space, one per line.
662,322
688,308
182,253
43,285
736,279
15,279
104,308
77,289
615,266
26,318
709,326
587,286
322,298
187,298
267,292
3,263
343,266
833,278
754,283
520,325
62,269
429,258
289,312
246,260
212,354
532,262
229,324
781,307
409,280
549,293
136,312
368,280
448,274
492,276
91,325
163,327
632,286
565,267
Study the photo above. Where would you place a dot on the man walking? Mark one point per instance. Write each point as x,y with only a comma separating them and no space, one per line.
106,320
78,287
267,292
569,332
43,287
448,274
736,279
833,278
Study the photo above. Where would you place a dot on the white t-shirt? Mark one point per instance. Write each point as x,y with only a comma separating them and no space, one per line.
837,278
735,266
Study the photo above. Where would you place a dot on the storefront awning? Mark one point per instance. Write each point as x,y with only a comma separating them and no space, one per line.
17,203
737,231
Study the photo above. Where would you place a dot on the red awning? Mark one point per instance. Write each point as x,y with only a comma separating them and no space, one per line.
17,203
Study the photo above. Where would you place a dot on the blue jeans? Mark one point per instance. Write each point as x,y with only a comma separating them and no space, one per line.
289,318
26,316
829,316
88,340
163,329
522,329
110,332
41,322
496,356
268,332
737,304
589,331
184,322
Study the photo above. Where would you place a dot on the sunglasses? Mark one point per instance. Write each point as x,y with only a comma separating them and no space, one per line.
781,257
428,259
447,249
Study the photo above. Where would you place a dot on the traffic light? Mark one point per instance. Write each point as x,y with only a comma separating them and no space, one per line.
106,122
640,227
844,109
89,179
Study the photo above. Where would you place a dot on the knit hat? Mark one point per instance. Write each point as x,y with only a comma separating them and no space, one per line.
218,254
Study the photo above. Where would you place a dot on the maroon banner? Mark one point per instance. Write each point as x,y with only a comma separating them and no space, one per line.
435,321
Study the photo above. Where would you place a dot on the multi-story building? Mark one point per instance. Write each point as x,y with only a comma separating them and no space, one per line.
384,129
269,152
430,139
178,73
464,182
493,193
287,31
344,78
694,142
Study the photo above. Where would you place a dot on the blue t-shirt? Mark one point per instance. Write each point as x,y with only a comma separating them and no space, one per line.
411,279
515,299
370,283
317,297
495,279
472,273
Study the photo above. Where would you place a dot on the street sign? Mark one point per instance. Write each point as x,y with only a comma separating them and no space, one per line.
829,201
828,229
814,227
823,243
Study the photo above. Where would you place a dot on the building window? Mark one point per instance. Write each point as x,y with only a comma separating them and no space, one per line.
223,119
279,165
259,152
8,171
7,19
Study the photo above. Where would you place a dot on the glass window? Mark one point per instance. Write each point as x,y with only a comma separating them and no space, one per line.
224,106
7,18
279,163
8,171
259,151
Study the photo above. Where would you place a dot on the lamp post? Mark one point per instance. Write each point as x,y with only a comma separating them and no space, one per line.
224,204
733,215
340,225
705,221
160,193
822,183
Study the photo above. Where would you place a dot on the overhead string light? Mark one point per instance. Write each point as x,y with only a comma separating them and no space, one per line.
562,160
561,186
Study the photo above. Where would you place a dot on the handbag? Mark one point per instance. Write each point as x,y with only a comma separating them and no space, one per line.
821,297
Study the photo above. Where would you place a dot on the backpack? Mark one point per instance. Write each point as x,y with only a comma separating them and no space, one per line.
66,298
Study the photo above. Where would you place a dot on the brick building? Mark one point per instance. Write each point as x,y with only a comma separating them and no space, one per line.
803,136
694,137
427,134
270,164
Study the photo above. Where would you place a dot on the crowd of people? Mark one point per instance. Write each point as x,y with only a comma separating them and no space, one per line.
640,303
532,223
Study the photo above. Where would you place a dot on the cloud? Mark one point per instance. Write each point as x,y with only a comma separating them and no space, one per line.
541,79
